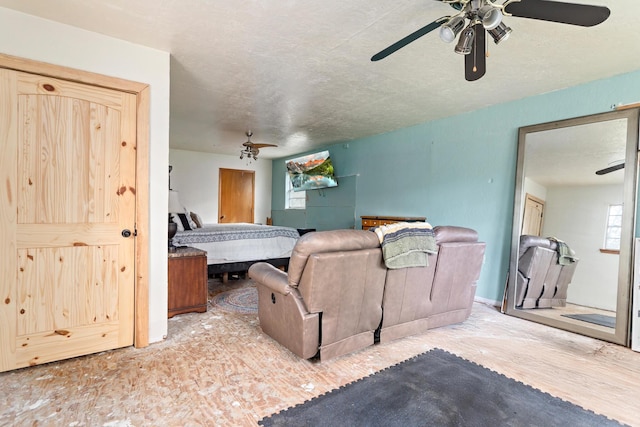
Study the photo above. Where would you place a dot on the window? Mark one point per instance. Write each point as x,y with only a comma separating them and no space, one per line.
293,199
614,228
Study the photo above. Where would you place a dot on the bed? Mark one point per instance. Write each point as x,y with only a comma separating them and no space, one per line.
235,247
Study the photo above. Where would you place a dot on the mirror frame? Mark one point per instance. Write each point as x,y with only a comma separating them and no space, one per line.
622,331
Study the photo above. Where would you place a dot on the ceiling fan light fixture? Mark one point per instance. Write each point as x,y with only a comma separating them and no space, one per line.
491,17
450,30
500,33
465,43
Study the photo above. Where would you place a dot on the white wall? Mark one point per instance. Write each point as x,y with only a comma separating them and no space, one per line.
195,177
533,188
578,215
38,39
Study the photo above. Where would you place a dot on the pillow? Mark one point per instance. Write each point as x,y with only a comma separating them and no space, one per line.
196,218
192,225
174,218
184,222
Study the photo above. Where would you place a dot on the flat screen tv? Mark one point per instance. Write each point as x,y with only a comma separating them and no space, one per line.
311,172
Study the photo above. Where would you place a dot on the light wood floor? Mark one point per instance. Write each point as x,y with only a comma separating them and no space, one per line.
218,369
558,313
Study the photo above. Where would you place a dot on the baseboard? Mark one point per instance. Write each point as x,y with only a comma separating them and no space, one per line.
487,301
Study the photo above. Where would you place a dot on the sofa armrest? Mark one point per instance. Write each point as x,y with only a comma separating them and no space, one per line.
267,275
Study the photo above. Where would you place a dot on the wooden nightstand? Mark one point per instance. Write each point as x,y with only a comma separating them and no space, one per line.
187,281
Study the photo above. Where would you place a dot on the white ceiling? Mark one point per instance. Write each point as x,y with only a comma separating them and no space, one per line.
298,72
572,155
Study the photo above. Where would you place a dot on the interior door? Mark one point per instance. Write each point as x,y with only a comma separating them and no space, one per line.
533,215
67,219
236,195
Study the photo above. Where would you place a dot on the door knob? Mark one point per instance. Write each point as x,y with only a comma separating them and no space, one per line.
126,233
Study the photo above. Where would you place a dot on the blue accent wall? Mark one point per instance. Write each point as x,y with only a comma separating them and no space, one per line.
458,170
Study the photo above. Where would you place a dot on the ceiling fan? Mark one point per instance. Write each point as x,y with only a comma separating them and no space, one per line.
477,17
610,169
250,149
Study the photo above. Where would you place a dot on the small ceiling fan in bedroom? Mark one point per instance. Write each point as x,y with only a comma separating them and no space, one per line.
477,17
611,168
251,150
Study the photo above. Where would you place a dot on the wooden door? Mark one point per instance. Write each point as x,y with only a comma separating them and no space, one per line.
533,216
68,161
235,196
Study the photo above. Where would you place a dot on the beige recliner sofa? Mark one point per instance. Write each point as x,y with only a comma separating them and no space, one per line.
338,297
330,301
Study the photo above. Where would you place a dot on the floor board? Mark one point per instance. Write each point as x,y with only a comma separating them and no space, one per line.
218,369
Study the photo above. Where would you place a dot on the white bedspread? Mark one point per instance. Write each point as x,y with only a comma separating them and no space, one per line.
239,242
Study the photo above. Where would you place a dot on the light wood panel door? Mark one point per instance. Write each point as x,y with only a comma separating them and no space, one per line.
68,161
533,216
236,195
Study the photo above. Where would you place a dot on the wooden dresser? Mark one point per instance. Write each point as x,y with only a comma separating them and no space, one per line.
187,281
374,221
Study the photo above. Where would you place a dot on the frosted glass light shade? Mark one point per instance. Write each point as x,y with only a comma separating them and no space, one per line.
174,202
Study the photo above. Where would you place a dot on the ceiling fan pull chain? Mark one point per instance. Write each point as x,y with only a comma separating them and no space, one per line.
486,47
475,56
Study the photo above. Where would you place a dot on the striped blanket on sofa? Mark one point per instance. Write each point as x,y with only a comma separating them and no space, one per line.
406,244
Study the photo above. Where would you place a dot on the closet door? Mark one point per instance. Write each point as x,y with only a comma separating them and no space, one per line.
236,195
67,219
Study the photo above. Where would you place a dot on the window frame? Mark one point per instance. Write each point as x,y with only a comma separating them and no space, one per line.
608,230
300,197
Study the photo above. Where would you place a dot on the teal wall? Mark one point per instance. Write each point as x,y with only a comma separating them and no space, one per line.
458,170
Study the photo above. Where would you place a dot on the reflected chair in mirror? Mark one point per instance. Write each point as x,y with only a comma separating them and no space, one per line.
543,280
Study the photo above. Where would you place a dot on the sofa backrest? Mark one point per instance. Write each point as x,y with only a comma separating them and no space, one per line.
418,298
451,233
457,271
340,274
327,241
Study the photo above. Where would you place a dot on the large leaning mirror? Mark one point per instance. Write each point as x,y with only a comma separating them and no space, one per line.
574,222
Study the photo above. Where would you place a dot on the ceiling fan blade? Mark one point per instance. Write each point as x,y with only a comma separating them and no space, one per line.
555,11
610,169
475,63
263,145
410,38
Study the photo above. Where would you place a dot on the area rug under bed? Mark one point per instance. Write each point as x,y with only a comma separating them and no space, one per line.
436,388
241,300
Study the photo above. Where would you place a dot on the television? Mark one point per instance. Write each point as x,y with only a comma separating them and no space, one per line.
311,172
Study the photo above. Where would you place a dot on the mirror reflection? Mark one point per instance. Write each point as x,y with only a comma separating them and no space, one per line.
570,226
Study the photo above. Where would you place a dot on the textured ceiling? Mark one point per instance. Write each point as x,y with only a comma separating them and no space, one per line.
298,72
572,155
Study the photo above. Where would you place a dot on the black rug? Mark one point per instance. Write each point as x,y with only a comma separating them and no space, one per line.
436,388
598,319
